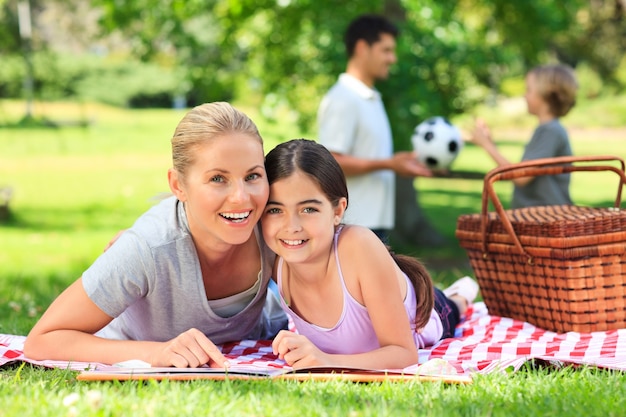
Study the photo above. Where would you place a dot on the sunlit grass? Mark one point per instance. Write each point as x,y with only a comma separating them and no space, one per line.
536,392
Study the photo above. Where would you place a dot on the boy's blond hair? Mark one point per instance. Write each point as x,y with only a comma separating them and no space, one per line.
557,85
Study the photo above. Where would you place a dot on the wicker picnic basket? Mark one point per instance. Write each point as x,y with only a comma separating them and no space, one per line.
561,268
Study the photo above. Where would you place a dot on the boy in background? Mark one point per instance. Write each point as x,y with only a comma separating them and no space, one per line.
550,95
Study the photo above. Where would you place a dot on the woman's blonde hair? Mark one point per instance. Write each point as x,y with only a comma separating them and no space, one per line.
557,85
204,123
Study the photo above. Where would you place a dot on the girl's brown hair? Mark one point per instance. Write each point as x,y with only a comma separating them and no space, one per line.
423,284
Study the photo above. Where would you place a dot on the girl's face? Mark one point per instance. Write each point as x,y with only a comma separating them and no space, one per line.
299,221
534,101
225,189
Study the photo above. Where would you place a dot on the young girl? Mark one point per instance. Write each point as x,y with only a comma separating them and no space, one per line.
550,94
353,304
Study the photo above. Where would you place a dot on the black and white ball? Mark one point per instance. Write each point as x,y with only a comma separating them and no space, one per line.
437,142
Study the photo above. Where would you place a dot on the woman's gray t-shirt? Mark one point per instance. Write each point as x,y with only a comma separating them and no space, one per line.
150,281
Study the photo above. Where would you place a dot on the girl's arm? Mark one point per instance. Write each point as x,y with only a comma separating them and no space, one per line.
66,332
380,287
374,281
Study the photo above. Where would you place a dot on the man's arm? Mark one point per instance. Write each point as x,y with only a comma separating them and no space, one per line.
402,163
352,165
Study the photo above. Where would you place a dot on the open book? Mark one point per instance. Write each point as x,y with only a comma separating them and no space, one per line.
134,370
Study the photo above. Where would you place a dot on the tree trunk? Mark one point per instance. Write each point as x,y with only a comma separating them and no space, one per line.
412,227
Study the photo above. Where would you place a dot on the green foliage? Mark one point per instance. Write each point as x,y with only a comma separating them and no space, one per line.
513,87
119,82
190,35
286,54
126,83
12,69
9,29
451,56
589,82
435,72
293,50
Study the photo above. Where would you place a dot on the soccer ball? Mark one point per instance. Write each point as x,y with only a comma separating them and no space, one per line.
437,142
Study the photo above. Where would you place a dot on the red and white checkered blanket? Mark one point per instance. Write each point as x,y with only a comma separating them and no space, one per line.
482,344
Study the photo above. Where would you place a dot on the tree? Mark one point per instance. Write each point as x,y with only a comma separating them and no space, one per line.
452,55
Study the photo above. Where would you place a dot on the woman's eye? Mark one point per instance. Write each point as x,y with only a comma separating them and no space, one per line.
216,178
309,210
252,177
273,210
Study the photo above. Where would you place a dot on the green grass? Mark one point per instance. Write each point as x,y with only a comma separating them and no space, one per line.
76,185
30,391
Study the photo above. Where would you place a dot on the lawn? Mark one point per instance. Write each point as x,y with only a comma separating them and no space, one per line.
77,184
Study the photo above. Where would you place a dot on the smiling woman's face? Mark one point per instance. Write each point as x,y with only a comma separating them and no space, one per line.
225,189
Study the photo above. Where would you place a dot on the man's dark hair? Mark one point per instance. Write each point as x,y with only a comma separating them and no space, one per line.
369,28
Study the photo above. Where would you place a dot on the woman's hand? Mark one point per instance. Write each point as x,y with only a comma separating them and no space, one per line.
298,351
190,349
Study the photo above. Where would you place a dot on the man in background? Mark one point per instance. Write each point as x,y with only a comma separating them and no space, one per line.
354,126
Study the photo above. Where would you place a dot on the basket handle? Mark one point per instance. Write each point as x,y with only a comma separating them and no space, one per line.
538,167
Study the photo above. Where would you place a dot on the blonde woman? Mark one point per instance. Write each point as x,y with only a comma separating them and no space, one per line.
191,272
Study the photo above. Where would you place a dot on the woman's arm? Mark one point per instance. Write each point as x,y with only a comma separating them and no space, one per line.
66,332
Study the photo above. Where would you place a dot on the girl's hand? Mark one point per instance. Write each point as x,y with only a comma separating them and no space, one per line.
298,351
190,349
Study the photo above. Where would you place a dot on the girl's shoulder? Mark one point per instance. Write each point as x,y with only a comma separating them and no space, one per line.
355,239
364,259
350,232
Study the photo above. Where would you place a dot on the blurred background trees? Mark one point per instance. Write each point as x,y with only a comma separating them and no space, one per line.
452,55
285,54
